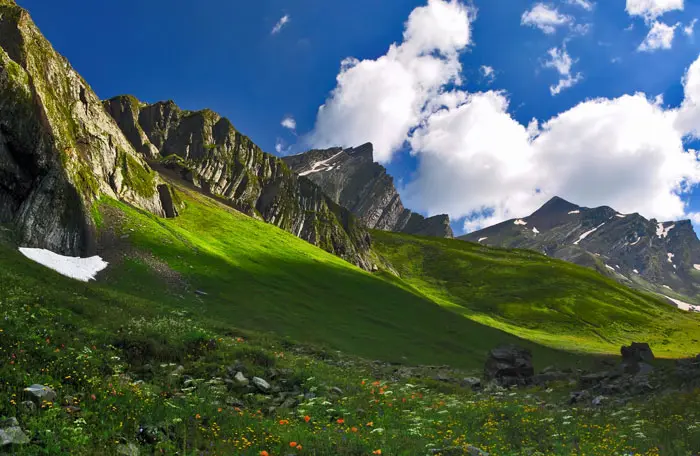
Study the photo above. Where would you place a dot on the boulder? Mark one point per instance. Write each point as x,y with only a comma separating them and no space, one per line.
261,385
11,433
240,379
127,449
40,393
471,382
509,365
636,353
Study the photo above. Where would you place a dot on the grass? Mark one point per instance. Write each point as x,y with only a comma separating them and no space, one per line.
110,347
547,301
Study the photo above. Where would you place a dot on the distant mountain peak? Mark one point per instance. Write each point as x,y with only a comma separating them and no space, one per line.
556,204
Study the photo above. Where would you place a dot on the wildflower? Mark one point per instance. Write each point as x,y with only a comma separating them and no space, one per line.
307,418
370,424
219,409
198,416
340,421
283,422
299,447
293,444
264,453
377,452
93,397
353,429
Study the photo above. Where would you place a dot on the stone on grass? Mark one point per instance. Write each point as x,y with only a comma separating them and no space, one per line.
41,393
261,385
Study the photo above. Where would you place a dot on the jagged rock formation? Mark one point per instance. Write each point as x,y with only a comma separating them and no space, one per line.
658,256
59,149
355,181
206,150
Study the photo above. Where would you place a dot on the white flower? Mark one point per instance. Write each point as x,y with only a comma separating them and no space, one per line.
377,430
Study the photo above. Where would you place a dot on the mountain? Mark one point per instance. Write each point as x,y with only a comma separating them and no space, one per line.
205,150
59,149
353,180
660,256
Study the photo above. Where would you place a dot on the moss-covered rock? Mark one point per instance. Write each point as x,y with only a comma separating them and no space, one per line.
59,149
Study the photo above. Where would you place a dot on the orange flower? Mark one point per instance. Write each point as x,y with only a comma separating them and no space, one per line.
353,429
198,416
377,452
219,409
283,422
293,444
375,383
264,453
370,424
307,418
299,447
363,382
340,421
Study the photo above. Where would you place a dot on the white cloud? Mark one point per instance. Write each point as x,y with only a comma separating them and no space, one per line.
382,100
585,4
660,36
651,9
688,115
476,161
690,28
281,23
488,73
289,123
545,18
560,60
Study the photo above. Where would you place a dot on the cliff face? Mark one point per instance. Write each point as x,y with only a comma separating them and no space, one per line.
354,180
659,256
59,149
206,150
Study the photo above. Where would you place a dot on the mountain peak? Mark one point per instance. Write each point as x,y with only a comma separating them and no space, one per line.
365,151
555,205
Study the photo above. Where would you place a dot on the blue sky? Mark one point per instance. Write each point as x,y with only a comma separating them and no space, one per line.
223,55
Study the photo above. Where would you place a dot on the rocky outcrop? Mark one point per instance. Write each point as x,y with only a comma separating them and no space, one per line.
206,150
59,149
353,180
658,256
509,365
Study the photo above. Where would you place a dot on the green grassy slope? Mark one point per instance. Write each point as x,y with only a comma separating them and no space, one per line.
552,302
259,277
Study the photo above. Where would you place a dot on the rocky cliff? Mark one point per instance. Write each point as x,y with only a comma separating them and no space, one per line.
355,181
659,256
59,149
206,150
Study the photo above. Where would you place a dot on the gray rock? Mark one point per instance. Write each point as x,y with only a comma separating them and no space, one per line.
241,379
28,407
637,352
179,370
127,449
509,365
12,434
261,385
579,396
598,400
474,451
40,393
471,382
336,390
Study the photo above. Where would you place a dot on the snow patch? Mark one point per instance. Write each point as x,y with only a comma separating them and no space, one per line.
637,241
666,286
574,212
662,232
483,239
617,266
585,235
635,271
520,222
670,257
609,267
83,269
683,305
620,215
697,267
534,230
320,166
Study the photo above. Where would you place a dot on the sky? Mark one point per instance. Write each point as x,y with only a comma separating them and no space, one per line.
480,109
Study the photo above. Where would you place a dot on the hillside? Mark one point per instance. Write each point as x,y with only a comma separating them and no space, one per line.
354,180
663,257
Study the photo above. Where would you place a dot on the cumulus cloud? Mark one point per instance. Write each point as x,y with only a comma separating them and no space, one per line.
660,36
560,60
289,123
545,18
382,100
585,4
281,23
651,9
690,28
488,73
476,161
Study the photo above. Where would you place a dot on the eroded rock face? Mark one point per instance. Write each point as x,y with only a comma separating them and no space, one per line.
353,180
59,149
206,150
509,365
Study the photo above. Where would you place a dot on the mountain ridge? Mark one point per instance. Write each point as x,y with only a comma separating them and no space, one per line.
663,257
354,180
